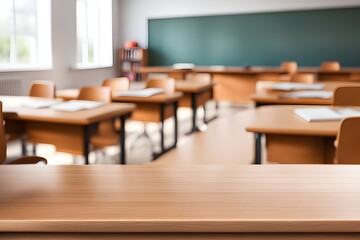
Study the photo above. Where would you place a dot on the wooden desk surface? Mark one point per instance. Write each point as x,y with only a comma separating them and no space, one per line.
249,199
82,117
283,120
162,69
239,70
181,86
158,98
275,97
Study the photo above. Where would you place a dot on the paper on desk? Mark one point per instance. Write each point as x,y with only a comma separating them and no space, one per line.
147,92
181,66
76,105
309,94
291,86
325,113
39,103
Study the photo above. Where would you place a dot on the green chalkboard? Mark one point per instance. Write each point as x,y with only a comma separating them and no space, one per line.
263,39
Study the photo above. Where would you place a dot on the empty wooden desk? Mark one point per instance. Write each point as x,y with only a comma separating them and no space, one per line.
156,108
291,139
194,202
68,131
196,94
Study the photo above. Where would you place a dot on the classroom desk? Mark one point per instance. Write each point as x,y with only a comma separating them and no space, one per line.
344,74
68,131
236,84
193,202
195,94
291,139
156,108
271,97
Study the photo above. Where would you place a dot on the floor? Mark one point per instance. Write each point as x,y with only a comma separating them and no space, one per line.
138,149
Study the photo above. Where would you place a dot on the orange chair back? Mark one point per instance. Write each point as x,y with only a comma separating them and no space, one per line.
303,78
348,150
44,89
290,67
330,66
117,84
347,96
168,84
99,94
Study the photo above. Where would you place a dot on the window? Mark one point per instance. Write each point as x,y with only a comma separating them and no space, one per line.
94,33
25,34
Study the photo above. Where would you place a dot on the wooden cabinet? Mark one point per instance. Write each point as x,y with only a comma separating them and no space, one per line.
130,61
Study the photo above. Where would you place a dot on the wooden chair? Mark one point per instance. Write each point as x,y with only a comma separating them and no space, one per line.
330,66
303,78
117,84
348,139
44,89
290,67
167,84
3,147
38,88
346,96
105,134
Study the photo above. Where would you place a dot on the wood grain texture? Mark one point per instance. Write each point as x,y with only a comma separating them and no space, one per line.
271,198
181,236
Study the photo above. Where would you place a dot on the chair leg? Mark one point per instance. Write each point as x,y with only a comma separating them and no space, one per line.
34,149
23,146
144,134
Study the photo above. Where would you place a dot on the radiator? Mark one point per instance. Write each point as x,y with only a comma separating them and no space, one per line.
10,87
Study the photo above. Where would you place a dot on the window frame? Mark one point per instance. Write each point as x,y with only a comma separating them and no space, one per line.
43,37
103,51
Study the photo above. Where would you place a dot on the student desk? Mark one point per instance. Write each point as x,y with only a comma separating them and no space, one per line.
195,94
156,108
236,84
272,97
344,74
291,139
171,72
68,131
193,202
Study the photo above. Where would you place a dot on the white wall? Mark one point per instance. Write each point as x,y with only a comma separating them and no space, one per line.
134,13
64,51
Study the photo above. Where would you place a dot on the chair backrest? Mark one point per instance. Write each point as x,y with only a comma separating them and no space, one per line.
99,94
290,67
303,78
117,84
348,139
2,137
42,88
330,66
168,84
346,96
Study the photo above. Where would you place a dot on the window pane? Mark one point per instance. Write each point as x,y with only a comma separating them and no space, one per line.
6,28
26,30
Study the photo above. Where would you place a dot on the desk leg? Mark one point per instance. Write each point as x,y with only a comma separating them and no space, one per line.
162,119
162,134
194,128
23,146
122,154
175,124
86,144
257,148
